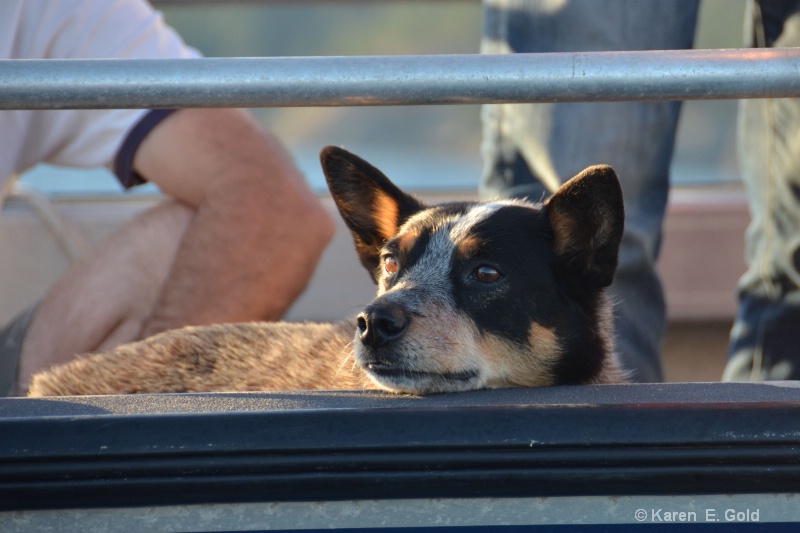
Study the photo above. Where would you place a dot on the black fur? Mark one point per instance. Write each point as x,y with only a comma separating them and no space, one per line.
516,241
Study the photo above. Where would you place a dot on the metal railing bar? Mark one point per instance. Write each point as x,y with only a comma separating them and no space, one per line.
302,2
400,80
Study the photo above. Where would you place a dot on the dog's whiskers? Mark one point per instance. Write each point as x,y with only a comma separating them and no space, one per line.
348,352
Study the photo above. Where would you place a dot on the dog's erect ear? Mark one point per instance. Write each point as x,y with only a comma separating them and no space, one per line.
587,216
371,205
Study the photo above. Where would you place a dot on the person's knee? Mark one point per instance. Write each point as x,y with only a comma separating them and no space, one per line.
153,237
322,224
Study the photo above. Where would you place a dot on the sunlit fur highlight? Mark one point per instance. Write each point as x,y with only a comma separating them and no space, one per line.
612,370
406,240
386,215
230,357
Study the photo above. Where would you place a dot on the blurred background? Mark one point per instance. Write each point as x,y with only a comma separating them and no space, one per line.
438,135
432,150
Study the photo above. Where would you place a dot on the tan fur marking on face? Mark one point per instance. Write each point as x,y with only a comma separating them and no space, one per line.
407,240
386,215
508,366
512,366
544,342
468,247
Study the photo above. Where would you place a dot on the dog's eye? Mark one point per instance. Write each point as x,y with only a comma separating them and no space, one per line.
487,274
390,264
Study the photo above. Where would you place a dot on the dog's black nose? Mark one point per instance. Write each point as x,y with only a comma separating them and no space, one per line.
380,324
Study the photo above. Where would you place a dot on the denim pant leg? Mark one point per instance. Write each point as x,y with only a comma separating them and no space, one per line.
765,340
530,149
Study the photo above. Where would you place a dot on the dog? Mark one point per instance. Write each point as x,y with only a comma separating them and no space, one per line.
471,295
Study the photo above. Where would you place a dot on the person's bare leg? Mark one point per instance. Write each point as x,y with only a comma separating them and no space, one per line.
104,301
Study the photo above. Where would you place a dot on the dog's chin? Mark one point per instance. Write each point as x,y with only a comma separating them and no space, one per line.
399,379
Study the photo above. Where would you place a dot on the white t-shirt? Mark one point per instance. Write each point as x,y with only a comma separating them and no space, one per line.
61,29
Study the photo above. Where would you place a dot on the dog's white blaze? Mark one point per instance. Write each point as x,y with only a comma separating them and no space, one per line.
431,272
463,226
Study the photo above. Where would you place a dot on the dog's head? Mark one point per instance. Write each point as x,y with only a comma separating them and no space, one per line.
481,294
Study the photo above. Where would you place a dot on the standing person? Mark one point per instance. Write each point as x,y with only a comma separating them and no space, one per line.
765,340
529,149
237,240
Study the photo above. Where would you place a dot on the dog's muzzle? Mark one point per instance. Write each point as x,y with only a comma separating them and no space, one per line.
381,326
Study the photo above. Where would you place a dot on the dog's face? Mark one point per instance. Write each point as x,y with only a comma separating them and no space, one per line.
481,294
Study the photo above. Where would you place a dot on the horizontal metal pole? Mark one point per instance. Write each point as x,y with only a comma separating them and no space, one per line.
159,3
400,80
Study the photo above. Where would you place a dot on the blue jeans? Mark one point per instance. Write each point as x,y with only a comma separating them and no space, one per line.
765,340
529,149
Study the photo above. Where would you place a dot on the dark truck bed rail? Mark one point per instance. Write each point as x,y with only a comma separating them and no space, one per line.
292,446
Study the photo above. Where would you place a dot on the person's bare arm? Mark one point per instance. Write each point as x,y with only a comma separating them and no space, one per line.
240,246
257,232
